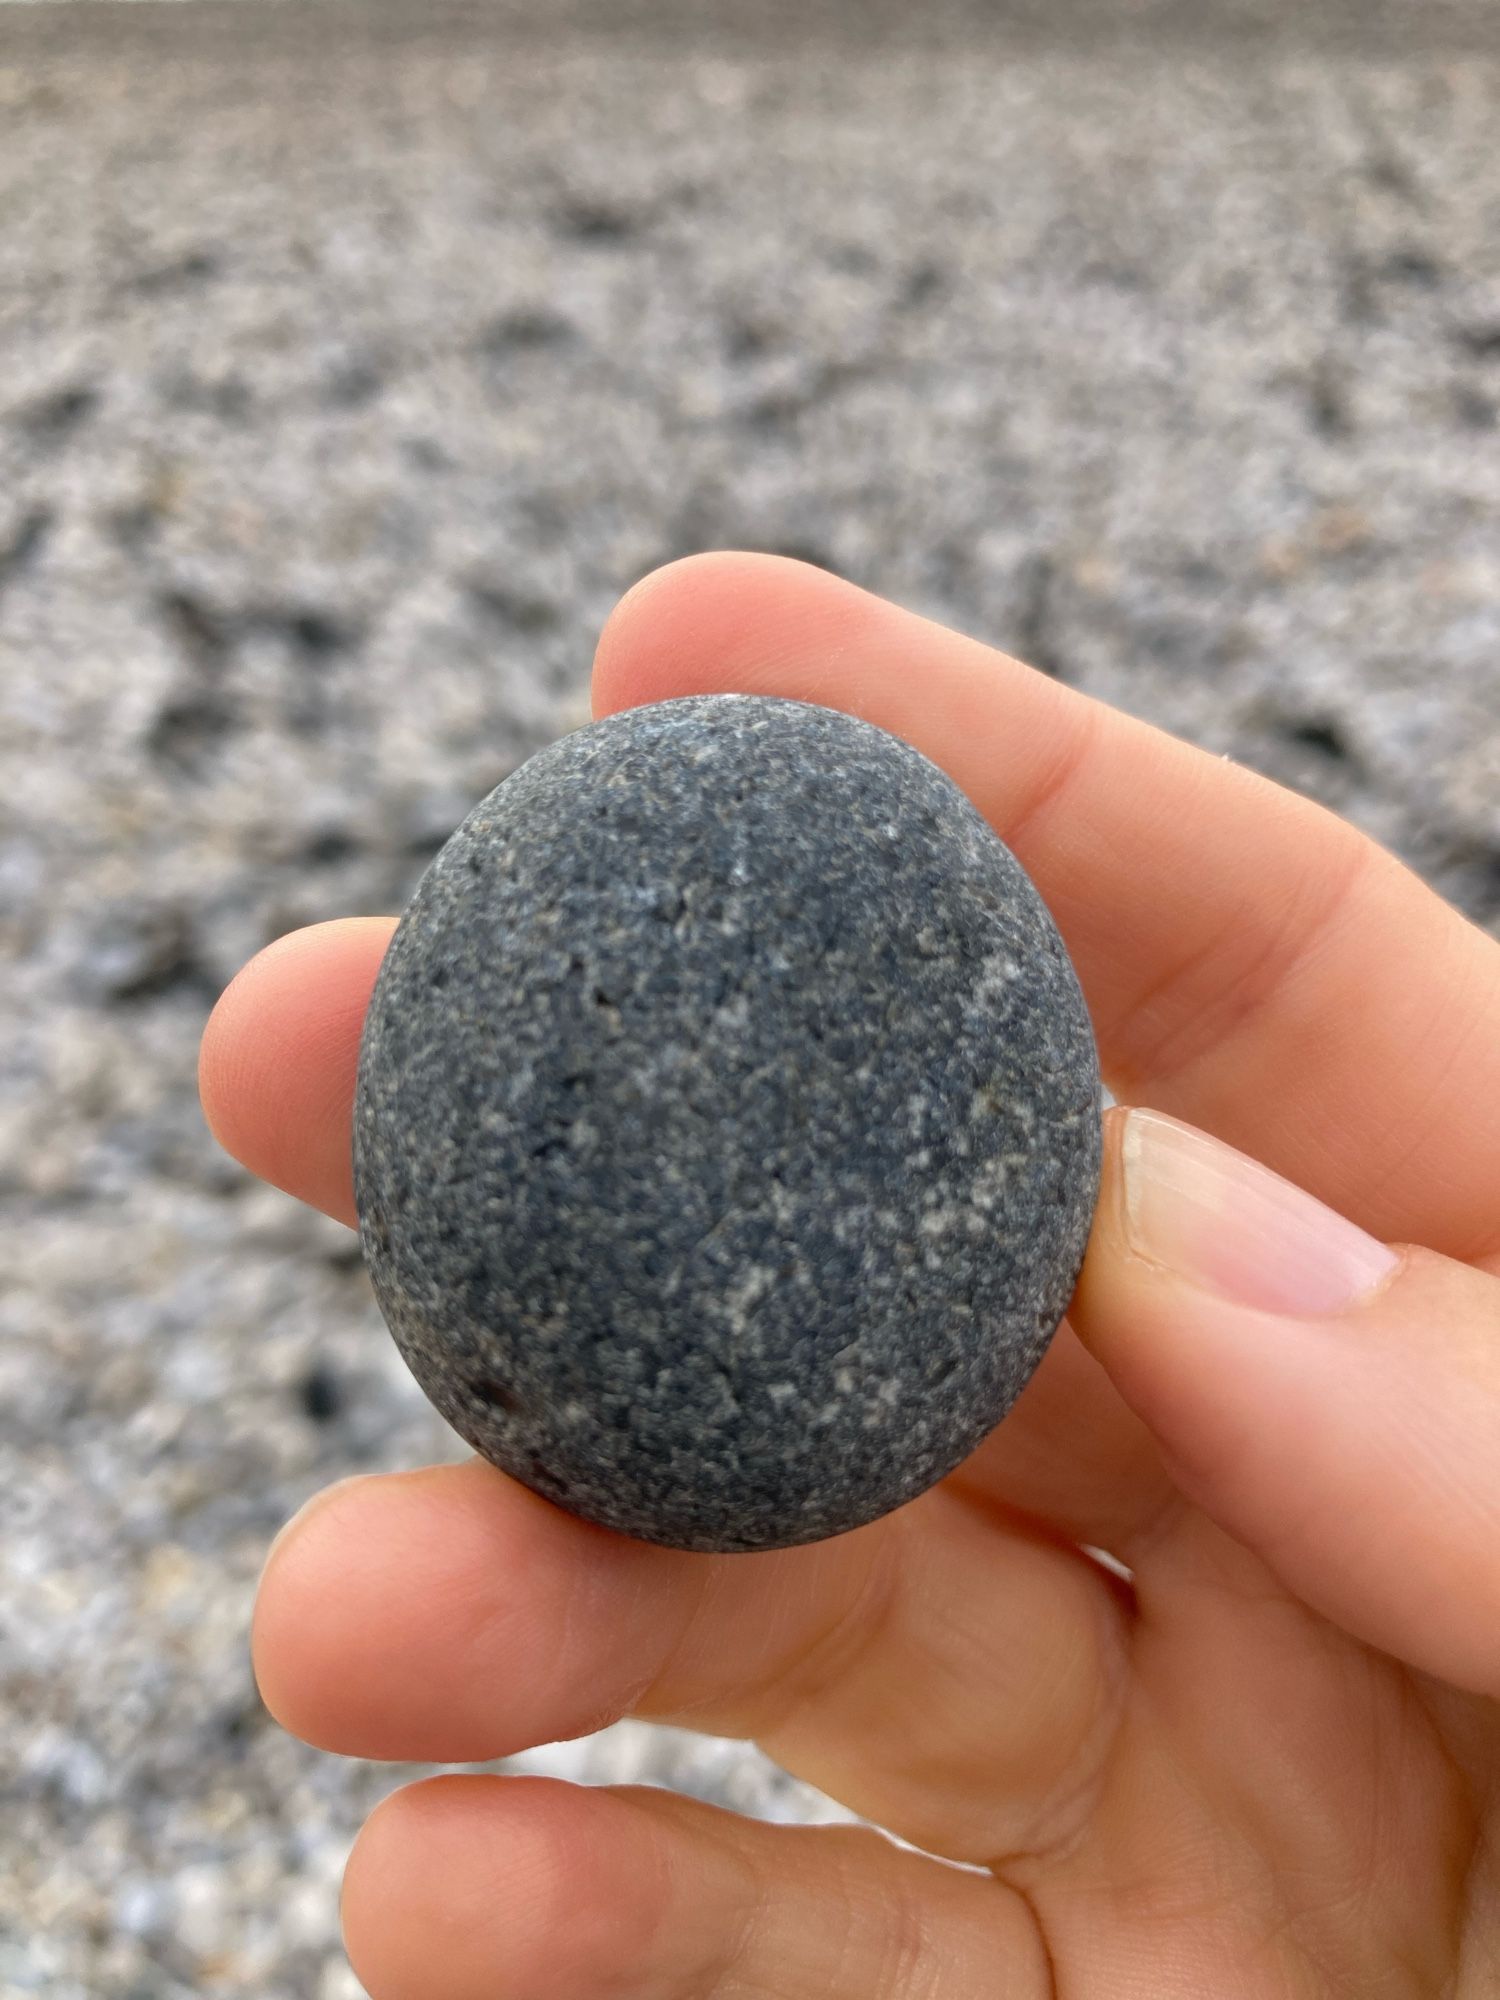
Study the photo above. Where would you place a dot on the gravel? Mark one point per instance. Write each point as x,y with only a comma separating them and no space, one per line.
350,365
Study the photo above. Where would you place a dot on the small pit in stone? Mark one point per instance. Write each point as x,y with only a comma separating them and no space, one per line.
496,1395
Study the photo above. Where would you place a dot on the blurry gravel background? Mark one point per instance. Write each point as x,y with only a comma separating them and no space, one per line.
350,366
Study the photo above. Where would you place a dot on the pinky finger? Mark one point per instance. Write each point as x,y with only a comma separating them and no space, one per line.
467,1888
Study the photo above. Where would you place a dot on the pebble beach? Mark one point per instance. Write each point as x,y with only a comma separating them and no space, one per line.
353,361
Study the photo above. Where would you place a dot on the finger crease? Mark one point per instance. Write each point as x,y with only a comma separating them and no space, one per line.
1062,775
855,1633
1197,1005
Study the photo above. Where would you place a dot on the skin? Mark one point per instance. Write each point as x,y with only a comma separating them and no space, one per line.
1266,1765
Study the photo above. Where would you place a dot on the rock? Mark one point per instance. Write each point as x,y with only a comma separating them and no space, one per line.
727,1130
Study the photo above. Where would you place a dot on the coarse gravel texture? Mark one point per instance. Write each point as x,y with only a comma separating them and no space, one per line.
727,1132
350,365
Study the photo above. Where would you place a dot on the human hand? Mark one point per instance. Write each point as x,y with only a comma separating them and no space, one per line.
1270,1765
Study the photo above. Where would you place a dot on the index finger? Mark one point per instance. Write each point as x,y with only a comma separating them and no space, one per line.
1253,964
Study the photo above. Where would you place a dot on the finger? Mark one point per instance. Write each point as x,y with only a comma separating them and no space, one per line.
277,1078
941,1671
466,1888
1226,932
1331,1403
276,1070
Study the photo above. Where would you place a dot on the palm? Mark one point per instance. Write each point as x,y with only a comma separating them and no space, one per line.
1194,1787
1239,1774
1281,1811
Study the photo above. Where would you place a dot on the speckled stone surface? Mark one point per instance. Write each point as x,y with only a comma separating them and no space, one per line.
727,1133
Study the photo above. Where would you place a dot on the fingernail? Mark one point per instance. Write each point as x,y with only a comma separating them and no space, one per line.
1231,1226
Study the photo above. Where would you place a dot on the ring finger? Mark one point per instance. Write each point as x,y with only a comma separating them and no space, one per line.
546,1891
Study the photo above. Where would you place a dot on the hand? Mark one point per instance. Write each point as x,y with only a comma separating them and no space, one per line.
1270,1764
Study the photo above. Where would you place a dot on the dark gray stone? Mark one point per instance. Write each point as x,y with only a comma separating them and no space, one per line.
727,1130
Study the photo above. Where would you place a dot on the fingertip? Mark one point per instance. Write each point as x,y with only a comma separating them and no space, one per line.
1138,1322
1105,1238
477,1881
451,1615
277,1062
295,1565
322,1672
614,653
716,622
1106,1234
1327,1400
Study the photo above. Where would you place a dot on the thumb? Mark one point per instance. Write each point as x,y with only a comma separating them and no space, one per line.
1331,1403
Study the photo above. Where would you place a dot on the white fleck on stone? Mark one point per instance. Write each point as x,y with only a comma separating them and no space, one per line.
740,1297
938,1221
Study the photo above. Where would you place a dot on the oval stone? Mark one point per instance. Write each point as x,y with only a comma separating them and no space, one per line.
727,1125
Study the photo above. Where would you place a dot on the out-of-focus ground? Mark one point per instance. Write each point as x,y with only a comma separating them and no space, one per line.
351,363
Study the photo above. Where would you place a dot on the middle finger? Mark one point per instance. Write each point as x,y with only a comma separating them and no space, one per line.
945,1671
